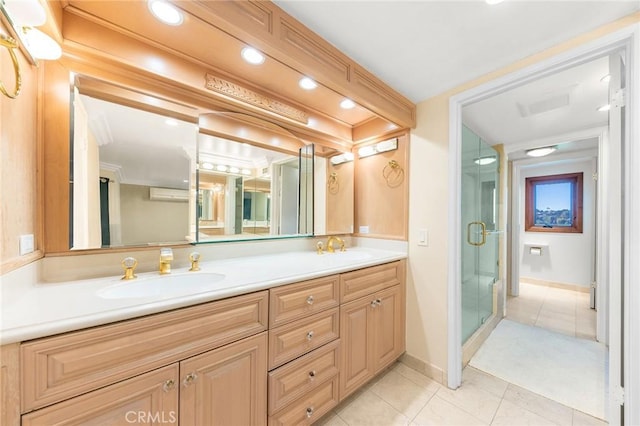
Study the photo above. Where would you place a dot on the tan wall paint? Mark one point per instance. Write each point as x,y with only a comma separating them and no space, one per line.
427,324
18,174
145,221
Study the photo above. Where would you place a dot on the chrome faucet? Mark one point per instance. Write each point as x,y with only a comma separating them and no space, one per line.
166,256
333,239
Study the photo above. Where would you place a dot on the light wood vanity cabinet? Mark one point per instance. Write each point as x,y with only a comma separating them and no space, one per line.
189,366
283,356
303,351
372,327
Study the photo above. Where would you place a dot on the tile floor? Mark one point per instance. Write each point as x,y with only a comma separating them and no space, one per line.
403,396
564,311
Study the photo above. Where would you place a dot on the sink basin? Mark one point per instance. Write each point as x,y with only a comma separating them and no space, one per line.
162,286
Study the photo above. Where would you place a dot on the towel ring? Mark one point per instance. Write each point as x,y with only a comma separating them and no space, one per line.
393,173
11,44
333,184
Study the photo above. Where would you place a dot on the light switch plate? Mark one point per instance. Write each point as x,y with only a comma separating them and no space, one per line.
26,244
423,237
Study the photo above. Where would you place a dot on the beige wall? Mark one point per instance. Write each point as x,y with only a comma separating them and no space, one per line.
429,198
145,221
18,173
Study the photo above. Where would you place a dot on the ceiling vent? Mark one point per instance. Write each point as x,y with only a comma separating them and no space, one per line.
549,102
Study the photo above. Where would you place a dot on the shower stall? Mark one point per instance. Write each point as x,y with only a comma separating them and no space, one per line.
479,206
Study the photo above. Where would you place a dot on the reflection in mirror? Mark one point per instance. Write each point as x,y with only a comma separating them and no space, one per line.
248,192
130,176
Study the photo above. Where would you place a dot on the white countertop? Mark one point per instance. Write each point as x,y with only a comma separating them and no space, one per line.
32,310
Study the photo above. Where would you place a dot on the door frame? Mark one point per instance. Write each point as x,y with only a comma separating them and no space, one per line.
601,234
627,39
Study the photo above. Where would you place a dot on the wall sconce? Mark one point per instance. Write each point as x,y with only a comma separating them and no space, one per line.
384,146
342,158
22,16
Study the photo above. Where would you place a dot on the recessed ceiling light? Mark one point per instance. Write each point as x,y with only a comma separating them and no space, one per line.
606,79
221,168
185,180
233,170
252,56
166,12
347,104
541,152
603,108
170,122
492,2
207,166
307,83
483,161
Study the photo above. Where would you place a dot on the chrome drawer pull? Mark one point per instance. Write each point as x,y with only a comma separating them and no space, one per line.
189,379
310,300
309,412
310,335
168,385
312,374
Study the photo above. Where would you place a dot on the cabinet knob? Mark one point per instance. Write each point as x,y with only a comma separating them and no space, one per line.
378,302
309,412
168,385
312,374
310,335
373,304
190,378
310,300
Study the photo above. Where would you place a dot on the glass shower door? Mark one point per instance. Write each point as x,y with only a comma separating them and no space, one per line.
479,231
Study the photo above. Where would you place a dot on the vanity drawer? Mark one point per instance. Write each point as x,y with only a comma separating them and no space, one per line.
356,284
295,379
292,340
310,407
60,367
295,301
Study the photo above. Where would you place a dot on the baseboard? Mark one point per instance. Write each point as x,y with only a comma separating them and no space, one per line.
564,286
429,370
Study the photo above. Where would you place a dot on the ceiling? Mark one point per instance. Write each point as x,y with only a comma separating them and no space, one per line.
423,48
560,104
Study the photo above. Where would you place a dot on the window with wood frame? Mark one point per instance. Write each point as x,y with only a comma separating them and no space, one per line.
554,203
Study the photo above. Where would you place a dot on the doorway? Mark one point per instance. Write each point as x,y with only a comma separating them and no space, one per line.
620,219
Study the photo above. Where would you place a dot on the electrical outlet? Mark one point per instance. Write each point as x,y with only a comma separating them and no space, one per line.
364,229
26,244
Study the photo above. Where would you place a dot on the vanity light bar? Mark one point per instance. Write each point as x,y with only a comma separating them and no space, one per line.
224,168
342,158
384,146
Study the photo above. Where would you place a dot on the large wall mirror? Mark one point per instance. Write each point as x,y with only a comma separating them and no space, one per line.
143,174
259,185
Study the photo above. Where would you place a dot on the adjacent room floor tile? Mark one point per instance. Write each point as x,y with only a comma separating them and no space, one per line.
439,412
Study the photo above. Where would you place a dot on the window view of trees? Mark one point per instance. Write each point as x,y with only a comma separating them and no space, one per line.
553,203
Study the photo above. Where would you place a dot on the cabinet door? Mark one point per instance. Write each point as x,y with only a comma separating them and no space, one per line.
388,339
355,333
150,399
226,386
